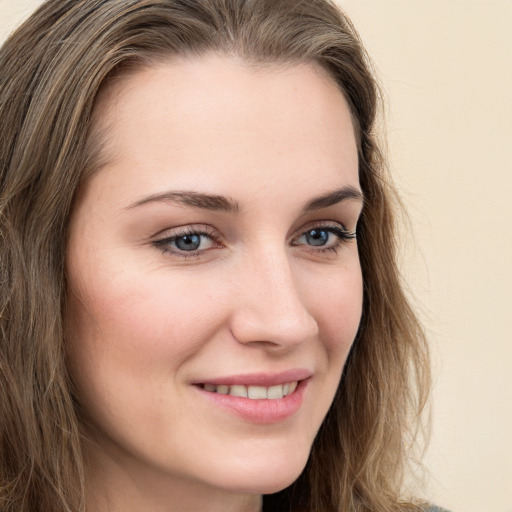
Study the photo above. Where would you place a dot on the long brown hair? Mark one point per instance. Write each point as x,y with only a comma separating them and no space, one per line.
51,71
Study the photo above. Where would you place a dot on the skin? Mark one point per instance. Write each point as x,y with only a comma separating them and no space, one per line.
145,322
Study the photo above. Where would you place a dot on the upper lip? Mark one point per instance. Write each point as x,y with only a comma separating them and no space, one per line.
258,379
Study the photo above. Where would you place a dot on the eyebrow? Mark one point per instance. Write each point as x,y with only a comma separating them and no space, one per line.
334,197
194,199
225,204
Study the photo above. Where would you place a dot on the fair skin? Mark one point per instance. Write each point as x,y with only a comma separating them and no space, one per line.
177,297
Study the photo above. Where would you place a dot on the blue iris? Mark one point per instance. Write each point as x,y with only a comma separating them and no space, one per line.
188,242
317,237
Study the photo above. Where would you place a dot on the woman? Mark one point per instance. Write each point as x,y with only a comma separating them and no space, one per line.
188,322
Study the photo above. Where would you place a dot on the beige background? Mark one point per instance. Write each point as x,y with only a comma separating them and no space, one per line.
446,69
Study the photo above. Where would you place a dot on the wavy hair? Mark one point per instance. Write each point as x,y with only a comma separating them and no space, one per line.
51,72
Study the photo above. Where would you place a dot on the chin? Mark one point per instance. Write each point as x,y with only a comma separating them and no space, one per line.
263,484
259,476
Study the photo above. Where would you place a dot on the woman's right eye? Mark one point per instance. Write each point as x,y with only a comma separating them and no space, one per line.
187,242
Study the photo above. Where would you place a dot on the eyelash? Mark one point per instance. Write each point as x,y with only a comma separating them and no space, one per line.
165,244
343,236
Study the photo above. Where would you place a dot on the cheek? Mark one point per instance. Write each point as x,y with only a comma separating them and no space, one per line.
138,321
127,338
337,307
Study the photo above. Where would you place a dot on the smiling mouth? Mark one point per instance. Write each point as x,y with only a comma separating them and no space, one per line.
253,392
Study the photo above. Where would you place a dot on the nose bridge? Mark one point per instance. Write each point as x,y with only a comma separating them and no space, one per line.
271,308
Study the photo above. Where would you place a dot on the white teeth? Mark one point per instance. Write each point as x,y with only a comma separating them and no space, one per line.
254,392
275,392
238,391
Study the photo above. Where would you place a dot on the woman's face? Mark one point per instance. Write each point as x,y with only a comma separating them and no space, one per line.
212,257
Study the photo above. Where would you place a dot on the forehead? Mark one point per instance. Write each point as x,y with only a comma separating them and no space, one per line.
214,85
202,121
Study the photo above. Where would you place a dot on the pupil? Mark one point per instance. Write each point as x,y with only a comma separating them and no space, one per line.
317,237
188,242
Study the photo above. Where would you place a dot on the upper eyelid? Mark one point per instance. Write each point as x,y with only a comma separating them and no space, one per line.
215,233
322,224
208,229
187,229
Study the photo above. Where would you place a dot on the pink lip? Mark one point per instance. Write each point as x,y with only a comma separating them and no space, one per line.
258,379
264,411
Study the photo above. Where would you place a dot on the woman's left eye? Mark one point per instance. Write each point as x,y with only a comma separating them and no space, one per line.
325,237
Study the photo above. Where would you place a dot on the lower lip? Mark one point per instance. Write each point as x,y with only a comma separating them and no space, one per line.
265,411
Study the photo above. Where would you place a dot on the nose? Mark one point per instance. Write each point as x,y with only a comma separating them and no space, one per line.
270,309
